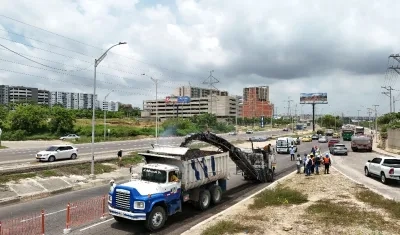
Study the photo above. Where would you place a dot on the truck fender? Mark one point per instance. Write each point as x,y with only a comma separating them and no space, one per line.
159,202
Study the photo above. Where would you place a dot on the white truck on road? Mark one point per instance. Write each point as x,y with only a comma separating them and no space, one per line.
387,168
283,144
171,176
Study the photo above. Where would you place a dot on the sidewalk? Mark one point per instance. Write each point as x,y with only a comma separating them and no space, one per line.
34,188
381,151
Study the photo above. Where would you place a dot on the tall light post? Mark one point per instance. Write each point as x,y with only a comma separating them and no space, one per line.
358,118
96,63
105,114
156,84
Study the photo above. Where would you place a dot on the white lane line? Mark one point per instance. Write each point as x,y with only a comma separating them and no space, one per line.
94,225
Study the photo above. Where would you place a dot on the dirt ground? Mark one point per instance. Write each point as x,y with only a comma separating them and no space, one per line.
332,204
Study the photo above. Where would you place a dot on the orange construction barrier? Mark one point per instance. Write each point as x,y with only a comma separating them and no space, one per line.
83,212
27,225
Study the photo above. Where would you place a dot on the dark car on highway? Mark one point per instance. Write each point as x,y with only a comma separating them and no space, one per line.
314,137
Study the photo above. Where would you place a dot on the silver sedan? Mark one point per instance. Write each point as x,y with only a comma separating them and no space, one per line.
323,139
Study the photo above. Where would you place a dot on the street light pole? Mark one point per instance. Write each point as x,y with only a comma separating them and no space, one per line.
156,84
358,118
96,63
105,115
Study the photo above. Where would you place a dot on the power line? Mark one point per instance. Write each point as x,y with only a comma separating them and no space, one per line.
389,94
96,47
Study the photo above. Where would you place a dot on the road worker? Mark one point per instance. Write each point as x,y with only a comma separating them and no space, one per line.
327,163
298,163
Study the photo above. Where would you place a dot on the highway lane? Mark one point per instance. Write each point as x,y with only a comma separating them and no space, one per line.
179,223
55,206
353,166
85,149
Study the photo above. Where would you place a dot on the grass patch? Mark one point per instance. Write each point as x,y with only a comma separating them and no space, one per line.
3,147
80,169
228,227
278,196
129,160
254,217
376,200
16,177
343,214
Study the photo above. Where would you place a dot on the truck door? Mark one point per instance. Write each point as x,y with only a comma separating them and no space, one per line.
375,166
173,192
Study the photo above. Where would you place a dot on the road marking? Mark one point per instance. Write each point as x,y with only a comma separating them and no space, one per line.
94,225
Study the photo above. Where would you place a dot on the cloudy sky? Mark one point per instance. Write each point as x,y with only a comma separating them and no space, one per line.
294,46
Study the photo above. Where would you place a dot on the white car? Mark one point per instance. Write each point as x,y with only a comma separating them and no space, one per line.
249,131
323,139
384,167
57,152
70,137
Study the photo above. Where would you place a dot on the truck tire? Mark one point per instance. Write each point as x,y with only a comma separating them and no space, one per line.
383,178
216,194
204,200
270,176
156,219
366,172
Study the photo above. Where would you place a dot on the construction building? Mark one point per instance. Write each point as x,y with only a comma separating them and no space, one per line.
256,102
223,107
198,92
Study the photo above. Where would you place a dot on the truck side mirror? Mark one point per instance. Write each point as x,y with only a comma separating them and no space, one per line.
369,160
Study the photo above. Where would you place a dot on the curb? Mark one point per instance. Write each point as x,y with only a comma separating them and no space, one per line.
270,186
40,195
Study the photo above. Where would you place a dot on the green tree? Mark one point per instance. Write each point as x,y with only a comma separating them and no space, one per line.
61,120
29,118
330,121
3,115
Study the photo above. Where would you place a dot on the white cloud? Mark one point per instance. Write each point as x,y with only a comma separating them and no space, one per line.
337,47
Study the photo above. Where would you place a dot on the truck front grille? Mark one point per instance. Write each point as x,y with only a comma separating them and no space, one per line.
122,200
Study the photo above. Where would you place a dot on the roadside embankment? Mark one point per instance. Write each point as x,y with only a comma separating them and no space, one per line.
318,204
17,187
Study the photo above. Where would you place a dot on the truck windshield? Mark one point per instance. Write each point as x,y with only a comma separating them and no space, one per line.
392,161
281,143
348,132
152,175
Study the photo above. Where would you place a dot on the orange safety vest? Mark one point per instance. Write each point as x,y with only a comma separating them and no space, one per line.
326,160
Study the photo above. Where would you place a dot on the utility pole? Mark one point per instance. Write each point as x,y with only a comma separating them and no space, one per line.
376,123
389,94
210,81
369,118
394,103
289,111
295,116
358,118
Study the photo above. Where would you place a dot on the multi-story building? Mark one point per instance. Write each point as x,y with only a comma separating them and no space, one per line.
256,102
43,97
4,94
71,100
109,106
21,94
222,106
198,92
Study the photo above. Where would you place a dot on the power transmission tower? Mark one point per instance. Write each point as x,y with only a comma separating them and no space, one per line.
389,94
210,81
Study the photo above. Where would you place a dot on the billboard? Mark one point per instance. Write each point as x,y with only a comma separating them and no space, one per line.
177,99
313,98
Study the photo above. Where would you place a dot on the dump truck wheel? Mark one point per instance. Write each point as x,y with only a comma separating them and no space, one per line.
156,219
216,194
204,200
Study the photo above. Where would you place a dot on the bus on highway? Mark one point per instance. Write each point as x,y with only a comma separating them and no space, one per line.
347,134
359,130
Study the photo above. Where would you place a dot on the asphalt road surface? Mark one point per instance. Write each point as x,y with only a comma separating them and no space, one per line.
55,206
353,166
7,155
179,223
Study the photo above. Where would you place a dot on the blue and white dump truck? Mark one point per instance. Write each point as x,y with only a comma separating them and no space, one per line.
174,175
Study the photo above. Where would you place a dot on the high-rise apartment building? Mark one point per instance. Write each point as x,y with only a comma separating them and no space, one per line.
4,94
256,102
71,100
198,92
109,106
